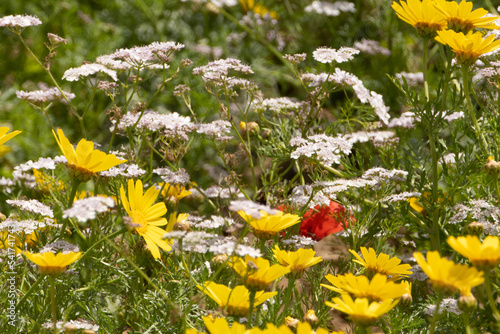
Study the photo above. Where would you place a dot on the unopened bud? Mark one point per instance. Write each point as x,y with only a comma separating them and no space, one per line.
467,303
251,127
182,225
475,228
291,322
311,318
70,329
492,167
88,331
406,299
219,259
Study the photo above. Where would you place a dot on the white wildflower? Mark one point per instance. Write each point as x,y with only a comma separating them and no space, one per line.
88,208
78,324
328,55
32,205
125,170
19,21
215,129
39,97
371,47
74,74
401,196
251,208
447,305
300,241
407,120
330,9
179,177
60,246
454,116
412,79
26,226
326,149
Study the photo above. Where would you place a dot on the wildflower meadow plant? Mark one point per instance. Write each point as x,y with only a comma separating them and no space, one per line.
250,167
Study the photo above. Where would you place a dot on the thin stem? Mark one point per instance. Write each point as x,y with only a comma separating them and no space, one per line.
52,282
424,60
435,239
479,132
489,294
288,296
250,308
435,317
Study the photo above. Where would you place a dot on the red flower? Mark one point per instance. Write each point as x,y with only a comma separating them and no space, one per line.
319,222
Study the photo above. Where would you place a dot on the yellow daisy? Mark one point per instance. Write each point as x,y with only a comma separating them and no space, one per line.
257,273
269,225
174,192
447,275
302,328
377,289
461,17
146,217
52,264
220,325
85,161
381,264
360,310
468,47
234,302
422,15
4,137
297,261
481,255
250,5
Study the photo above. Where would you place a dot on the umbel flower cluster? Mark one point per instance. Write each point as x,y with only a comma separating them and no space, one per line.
312,167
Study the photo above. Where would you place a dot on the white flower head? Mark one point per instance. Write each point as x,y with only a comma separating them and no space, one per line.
329,8
326,149
328,55
74,74
19,21
32,205
87,208
251,208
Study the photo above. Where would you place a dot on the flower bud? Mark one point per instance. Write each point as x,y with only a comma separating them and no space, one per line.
467,303
251,127
291,322
492,167
475,228
219,259
311,318
182,225
70,329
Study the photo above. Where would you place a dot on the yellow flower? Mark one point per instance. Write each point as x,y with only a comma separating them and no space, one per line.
249,5
4,137
481,255
84,162
461,17
236,301
47,183
377,289
381,264
297,261
146,217
422,15
52,264
360,310
175,192
269,225
302,328
468,47
448,276
220,326
257,273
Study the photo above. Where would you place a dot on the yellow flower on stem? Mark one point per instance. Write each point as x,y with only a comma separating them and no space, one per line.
297,261
146,217
234,302
85,161
422,15
377,289
52,264
269,225
174,192
468,47
360,310
461,17
381,264
257,273
220,326
4,137
482,255
447,276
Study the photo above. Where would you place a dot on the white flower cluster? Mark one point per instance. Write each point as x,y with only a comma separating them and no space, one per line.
213,222
153,56
74,74
171,125
78,324
125,170
197,242
60,246
382,175
216,3
229,246
32,205
42,163
326,149
39,97
179,177
363,94
401,196
251,208
19,21
407,120
371,47
26,226
479,210
6,184
87,208
364,136
215,129
448,305
327,55
331,188
412,79
450,158
454,116
280,104
301,196
216,191
217,72
300,241
329,8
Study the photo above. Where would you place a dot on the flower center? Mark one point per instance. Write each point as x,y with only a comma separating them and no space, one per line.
139,218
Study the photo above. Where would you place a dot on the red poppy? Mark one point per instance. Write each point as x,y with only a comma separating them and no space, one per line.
321,221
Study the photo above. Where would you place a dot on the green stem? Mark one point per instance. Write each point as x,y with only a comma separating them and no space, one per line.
479,132
52,281
362,329
435,317
288,296
489,294
250,308
426,84
465,316
435,239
